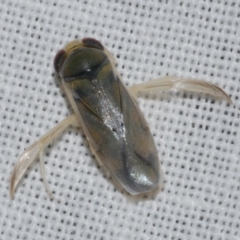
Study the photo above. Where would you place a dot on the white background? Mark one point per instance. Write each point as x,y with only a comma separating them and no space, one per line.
197,137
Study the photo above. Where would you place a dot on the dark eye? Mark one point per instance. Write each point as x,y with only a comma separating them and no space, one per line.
92,43
58,60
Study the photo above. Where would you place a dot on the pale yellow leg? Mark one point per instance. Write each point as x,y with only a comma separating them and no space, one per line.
36,150
172,82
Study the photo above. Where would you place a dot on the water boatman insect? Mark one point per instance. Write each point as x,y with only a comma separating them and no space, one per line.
108,113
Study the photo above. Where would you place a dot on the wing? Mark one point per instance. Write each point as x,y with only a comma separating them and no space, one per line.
116,129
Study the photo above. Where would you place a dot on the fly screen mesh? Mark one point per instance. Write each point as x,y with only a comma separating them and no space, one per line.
197,137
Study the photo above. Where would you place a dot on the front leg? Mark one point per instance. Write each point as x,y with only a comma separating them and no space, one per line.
172,82
36,150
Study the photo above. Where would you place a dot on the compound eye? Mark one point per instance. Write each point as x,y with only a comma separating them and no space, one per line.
58,60
91,42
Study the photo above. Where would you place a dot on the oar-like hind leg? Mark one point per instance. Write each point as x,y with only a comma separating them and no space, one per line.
172,82
36,150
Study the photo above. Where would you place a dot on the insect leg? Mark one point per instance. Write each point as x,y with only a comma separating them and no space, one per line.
172,82
36,149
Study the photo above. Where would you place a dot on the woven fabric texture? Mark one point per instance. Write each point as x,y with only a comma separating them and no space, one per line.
197,137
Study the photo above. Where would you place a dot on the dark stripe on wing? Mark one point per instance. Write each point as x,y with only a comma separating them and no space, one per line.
77,100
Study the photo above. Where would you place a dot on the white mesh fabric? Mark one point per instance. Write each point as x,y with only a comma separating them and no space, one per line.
197,137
